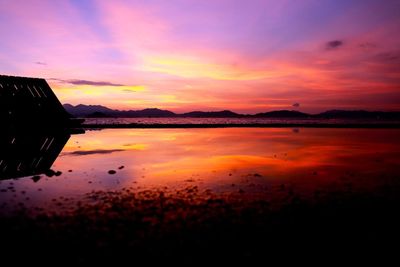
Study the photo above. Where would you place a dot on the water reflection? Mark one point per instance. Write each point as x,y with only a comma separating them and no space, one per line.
29,153
223,160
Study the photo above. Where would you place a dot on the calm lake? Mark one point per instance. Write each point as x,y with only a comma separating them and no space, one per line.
222,160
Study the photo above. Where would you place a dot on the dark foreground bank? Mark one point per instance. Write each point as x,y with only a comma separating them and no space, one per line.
190,225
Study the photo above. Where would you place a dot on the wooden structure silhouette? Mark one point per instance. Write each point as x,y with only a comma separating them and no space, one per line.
27,102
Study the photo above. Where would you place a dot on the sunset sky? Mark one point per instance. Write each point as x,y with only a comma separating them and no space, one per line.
244,55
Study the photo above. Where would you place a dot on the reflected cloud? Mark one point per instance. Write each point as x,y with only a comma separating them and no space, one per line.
91,152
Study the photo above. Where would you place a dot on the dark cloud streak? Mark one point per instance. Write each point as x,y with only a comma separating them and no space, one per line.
333,44
87,82
296,105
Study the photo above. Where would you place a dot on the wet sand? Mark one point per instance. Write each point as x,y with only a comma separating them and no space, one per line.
152,224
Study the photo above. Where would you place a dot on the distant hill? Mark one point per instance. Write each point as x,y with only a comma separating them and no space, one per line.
85,110
97,111
98,114
357,114
211,114
284,114
148,112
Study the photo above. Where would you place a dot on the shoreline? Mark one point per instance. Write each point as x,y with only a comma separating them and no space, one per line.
239,125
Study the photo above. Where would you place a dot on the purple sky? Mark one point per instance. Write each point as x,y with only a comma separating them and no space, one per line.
247,56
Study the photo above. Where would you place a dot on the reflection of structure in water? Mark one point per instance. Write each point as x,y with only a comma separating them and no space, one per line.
24,155
26,102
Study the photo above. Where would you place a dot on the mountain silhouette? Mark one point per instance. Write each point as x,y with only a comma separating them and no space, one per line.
85,110
358,114
211,114
98,111
283,114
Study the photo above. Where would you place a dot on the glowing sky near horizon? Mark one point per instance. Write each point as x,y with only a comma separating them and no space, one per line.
244,55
